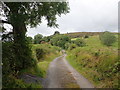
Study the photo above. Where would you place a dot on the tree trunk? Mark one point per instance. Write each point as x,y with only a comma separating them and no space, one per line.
19,32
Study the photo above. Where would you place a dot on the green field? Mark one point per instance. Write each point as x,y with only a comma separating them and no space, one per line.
97,62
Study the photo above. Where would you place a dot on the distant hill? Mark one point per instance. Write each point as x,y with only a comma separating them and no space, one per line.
82,34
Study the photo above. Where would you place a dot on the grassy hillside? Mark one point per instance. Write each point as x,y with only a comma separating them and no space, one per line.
96,62
82,34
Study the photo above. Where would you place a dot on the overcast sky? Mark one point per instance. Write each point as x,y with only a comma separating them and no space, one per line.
84,16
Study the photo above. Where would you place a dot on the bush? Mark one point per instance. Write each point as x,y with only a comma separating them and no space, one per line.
72,46
60,40
8,60
19,83
56,33
97,53
67,45
12,64
39,53
29,40
107,38
86,36
79,42
37,38
47,39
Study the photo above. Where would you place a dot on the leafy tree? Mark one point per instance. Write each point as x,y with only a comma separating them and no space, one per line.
7,37
107,38
47,39
37,38
79,42
29,39
60,40
19,15
57,33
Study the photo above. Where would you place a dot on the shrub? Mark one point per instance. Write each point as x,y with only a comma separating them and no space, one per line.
67,45
39,53
97,53
107,38
79,42
72,46
11,64
86,36
47,39
60,40
19,83
8,60
57,33
37,38
29,39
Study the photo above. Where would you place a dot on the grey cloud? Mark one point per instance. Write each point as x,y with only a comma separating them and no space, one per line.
85,15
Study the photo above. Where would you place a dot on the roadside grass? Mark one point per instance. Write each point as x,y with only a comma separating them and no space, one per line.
19,83
97,62
42,66
71,85
51,52
26,85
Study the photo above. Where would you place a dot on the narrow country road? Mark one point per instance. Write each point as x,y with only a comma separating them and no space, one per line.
62,75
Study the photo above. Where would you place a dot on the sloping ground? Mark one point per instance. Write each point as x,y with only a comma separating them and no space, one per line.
82,34
81,81
97,62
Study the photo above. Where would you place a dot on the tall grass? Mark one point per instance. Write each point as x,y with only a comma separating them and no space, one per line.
41,67
96,62
51,52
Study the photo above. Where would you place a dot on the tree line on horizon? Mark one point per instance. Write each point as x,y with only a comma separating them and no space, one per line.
64,40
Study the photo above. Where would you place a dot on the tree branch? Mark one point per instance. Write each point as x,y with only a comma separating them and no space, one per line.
2,21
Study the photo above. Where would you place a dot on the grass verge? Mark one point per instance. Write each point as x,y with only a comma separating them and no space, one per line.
97,62
50,53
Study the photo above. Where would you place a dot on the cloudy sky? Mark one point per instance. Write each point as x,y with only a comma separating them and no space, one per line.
84,16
